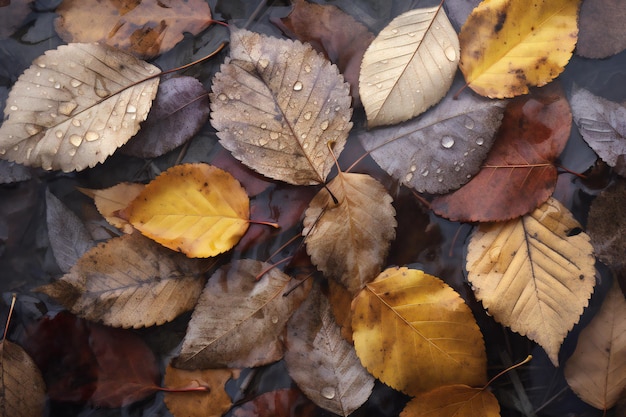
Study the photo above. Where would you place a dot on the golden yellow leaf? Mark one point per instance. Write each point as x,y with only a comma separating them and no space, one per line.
110,201
532,275
196,209
596,371
453,401
415,333
507,46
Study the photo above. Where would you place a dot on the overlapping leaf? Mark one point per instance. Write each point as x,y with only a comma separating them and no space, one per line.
453,401
112,200
532,274
12,16
22,389
409,66
75,106
507,46
348,241
277,105
442,149
415,333
602,30
607,225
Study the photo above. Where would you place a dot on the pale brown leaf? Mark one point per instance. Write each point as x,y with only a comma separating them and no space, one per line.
110,201
22,389
607,224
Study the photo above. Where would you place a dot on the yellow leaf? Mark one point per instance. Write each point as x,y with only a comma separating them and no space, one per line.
453,401
596,371
415,333
196,209
112,200
532,275
507,46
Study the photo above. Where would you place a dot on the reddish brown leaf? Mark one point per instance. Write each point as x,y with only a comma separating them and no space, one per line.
279,403
332,32
519,173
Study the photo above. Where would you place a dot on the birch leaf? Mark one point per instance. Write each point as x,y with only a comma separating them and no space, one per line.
348,241
532,275
277,104
75,106
22,389
112,200
321,362
453,401
409,66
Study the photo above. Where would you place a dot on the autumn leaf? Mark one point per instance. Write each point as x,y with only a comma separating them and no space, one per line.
12,16
532,274
602,124
409,66
508,46
130,281
22,389
606,224
415,333
348,241
333,32
453,401
519,170
325,366
238,320
110,201
443,148
196,209
602,31
75,106
287,402
294,102
145,28
596,371
11,172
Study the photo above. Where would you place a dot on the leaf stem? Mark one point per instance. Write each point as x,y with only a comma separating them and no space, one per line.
6,327
517,365
264,223
266,270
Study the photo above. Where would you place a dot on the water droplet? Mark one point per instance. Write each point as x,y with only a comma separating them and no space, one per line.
57,85
273,135
328,393
303,136
384,61
14,108
379,85
76,140
411,34
72,152
222,97
324,125
16,148
469,123
91,136
75,83
32,129
457,168
274,319
3,151
450,53
480,141
131,109
447,142
438,170
408,177
76,122
67,108
297,86
425,173
394,31
263,126
100,88
413,168
41,65
440,179
305,145
307,115
58,134
468,176
263,141
263,63
307,68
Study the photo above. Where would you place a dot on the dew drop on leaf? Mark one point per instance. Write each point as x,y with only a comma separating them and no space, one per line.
91,136
76,83
324,125
131,109
447,142
76,122
76,140
328,392
469,123
450,53
297,86
480,141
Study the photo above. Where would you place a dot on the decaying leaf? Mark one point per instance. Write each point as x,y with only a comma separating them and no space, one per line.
330,30
519,170
596,371
508,46
602,30
145,28
348,241
415,333
532,275
453,401
602,123
130,281
606,224
75,106
277,105
22,389
238,320
442,149
112,200
321,362
286,402
409,66
196,209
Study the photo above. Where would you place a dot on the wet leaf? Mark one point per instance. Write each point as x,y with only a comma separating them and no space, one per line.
12,15
110,201
145,28
602,123
440,150
22,389
75,106
69,238
238,320
349,241
196,209
415,333
508,46
453,401
130,281
213,403
596,371
288,402
409,66
532,275
333,32
606,224
602,32
180,109
294,104
321,362
519,170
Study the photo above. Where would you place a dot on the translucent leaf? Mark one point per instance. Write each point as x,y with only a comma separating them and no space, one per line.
348,241
415,333
453,401
75,106
602,30
532,275
196,209
277,105
22,389
112,200
409,66
507,46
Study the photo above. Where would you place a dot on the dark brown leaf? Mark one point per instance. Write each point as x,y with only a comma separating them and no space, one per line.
602,32
279,403
22,390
